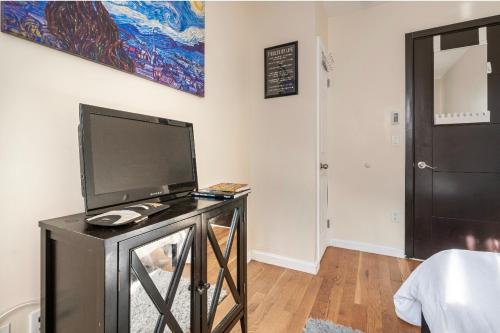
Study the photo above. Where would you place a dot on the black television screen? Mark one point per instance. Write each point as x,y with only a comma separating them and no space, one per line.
129,157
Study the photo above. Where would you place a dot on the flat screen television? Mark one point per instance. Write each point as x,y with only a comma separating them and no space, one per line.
127,157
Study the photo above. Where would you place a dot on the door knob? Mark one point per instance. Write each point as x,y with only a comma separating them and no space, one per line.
323,166
203,287
423,165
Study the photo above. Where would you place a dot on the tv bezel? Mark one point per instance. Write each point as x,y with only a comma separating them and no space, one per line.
95,203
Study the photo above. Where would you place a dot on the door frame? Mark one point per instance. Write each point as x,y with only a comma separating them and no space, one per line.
320,51
409,116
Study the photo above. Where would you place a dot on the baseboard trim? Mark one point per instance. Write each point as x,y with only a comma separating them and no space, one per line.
286,262
366,247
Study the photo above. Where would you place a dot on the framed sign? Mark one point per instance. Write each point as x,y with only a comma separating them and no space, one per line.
281,73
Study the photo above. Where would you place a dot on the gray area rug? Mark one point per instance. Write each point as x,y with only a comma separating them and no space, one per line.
325,326
143,313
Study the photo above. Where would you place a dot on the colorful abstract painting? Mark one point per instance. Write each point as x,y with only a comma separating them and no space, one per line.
163,41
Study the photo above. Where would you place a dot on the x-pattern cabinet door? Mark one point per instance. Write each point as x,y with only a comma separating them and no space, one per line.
224,269
157,274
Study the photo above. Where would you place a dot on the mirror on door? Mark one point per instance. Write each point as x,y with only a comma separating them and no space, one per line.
461,83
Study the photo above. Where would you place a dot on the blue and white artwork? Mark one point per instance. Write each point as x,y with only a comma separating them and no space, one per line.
163,41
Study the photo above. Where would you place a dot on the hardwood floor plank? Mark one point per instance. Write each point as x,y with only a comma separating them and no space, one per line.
275,320
322,302
304,308
395,271
389,318
362,281
337,274
270,299
352,288
359,317
413,264
329,262
374,315
254,301
404,268
266,280
350,264
299,285
335,301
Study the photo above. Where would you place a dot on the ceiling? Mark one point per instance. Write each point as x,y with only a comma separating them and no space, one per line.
337,8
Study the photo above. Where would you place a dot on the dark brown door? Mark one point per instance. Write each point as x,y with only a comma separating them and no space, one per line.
456,156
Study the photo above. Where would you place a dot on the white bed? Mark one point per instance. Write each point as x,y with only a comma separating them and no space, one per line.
457,291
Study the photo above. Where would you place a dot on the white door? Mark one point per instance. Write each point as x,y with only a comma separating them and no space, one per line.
322,101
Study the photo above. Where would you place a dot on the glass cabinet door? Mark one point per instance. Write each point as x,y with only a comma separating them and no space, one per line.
223,292
160,279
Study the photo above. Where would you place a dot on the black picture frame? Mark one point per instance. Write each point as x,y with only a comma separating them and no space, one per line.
294,55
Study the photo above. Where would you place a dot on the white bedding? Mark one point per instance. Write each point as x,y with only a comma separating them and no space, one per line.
458,291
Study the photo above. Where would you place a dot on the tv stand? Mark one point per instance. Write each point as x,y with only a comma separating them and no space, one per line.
182,270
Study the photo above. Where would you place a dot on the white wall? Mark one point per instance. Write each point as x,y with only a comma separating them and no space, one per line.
39,95
369,83
282,139
321,21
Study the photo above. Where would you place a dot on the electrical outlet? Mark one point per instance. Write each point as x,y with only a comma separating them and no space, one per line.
34,321
395,217
5,329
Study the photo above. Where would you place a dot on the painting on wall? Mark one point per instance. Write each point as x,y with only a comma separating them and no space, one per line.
163,41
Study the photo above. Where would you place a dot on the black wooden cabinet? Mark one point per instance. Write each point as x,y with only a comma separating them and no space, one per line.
183,270
225,249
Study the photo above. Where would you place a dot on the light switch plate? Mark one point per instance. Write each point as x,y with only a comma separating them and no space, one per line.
395,140
395,118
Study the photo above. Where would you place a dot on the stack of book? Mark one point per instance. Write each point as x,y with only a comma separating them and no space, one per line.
223,191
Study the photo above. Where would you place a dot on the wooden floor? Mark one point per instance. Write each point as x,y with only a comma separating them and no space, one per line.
352,288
